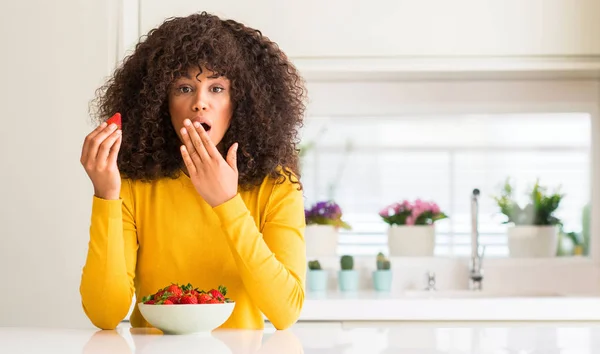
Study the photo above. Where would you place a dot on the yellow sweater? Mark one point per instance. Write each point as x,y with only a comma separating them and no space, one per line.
163,232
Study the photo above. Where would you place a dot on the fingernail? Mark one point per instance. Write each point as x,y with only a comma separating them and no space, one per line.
196,124
183,131
187,122
113,126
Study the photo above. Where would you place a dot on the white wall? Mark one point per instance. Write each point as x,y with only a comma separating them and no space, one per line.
54,55
342,28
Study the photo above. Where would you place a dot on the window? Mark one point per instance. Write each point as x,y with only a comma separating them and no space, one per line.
365,162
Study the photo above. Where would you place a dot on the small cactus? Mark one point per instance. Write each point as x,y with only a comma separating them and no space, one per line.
347,262
314,265
382,262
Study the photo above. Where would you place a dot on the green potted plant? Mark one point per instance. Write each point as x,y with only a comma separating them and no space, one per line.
382,277
585,229
534,227
577,243
316,277
347,276
412,227
323,220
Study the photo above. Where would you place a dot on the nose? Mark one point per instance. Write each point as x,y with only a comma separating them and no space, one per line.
200,103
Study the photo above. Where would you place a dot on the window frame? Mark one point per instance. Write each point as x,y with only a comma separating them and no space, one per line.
399,97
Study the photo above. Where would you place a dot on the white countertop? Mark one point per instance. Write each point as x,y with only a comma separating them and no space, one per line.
457,305
480,338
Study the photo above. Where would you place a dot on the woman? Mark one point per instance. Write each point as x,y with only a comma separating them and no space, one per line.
201,185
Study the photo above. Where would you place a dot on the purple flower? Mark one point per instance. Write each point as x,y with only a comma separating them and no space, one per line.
325,213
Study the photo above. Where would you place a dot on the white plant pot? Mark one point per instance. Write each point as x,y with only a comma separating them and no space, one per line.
411,241
321,240
532,241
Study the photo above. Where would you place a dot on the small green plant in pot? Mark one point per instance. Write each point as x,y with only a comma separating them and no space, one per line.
534,227
347,276
316,277
382,277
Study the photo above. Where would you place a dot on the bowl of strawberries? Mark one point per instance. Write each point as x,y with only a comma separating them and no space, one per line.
183,309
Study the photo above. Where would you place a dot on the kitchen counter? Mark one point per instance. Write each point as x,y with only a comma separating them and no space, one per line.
451,305
409,337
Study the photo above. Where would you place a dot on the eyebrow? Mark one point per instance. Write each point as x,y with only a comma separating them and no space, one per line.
213,76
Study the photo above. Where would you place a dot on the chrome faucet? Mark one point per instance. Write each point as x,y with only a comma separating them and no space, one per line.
430,281
476,270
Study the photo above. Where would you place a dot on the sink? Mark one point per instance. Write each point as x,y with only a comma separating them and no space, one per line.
458,294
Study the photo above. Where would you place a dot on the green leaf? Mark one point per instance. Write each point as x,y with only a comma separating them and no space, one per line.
222,290
538,211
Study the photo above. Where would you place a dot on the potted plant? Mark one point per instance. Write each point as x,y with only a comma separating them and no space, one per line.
534,228
577,243
323,220
316,277
382,277
347,276
412,227
585,229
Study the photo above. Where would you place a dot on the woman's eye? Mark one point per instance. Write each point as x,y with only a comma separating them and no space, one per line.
217,89
185,89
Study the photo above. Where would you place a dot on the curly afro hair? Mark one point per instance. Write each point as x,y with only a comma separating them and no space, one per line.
266,89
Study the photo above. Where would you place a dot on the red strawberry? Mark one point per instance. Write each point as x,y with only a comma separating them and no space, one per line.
116,118
150,302
215,301
216,294
174,299
188,289
188,299
159,294
167,302
204,299
174,290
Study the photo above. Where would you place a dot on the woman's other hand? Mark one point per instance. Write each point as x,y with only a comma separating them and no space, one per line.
215,178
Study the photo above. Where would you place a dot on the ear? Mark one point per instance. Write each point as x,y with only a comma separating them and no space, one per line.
232,157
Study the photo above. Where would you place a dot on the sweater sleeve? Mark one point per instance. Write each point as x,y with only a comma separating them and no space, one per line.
107,284
272,264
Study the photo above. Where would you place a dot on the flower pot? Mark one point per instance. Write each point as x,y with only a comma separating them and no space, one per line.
321,240
316,280
348,280
411,241
382,280
532,241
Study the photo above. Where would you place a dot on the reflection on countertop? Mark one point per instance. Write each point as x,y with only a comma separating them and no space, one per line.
324,337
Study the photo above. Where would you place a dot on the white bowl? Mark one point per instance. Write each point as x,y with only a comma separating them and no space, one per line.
186,319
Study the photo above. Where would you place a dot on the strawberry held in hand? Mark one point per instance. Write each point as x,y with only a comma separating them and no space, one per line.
116,118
